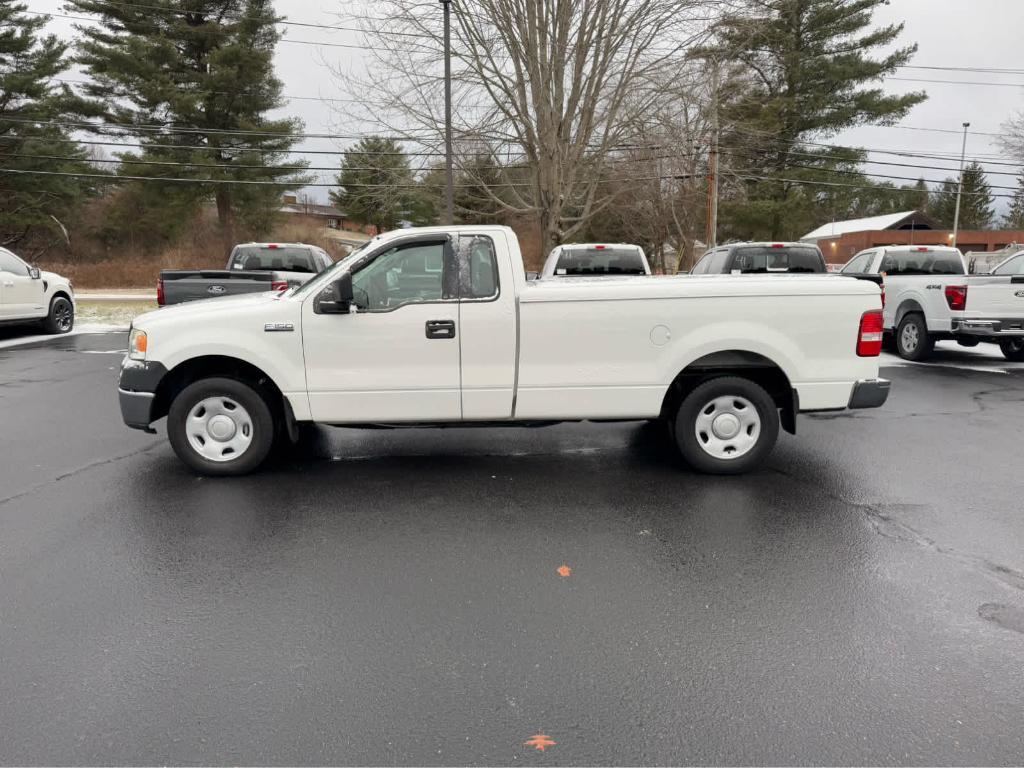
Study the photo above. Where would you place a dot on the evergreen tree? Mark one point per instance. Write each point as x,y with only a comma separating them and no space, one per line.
377,185
30,145
1014,218
975,204
201,72
813,76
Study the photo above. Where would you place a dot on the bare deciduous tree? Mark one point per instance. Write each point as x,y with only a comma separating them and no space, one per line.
555,88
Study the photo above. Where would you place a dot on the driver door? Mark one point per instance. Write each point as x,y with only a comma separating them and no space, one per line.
395,357
20,294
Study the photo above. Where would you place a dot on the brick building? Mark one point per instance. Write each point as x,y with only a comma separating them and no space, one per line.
840,240
326,216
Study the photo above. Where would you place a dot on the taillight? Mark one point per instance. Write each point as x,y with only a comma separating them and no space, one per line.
160,292
869,342
279,285
956,297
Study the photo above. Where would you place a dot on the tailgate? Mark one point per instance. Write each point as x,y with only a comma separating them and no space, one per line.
995,297
181,286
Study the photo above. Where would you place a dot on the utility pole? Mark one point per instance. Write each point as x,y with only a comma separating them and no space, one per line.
711,233
960,189
449,163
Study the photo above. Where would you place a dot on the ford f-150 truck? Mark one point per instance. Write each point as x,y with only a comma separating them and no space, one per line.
929,297
439,326
28,295
252,268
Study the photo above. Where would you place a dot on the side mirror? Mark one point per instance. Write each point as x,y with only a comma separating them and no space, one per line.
34,273
337,298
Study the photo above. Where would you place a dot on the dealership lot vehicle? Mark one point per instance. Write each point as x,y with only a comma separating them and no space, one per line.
930,296
252,268
28,295
595,260
761,258
440,326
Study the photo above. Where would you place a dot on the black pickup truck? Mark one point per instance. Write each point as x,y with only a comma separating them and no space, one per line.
252,268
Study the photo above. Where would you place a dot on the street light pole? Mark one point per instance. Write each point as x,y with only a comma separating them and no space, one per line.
449,164
960,188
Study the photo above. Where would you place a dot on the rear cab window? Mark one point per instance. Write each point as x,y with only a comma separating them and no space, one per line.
859,264
600,260
753,259
922,262
274,258
1014,266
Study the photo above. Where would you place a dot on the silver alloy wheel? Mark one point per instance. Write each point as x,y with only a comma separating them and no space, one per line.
63,316
910,337
728,427
219,429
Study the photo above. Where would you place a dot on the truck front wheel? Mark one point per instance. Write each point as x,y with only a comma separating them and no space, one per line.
726,426
1013,350
221,427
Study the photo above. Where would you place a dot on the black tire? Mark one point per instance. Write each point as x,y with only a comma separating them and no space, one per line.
61,318
1013,350
696,404
262,433
913,326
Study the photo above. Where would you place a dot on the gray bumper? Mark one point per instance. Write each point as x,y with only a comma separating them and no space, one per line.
137,392
137,408
1006,328
870,394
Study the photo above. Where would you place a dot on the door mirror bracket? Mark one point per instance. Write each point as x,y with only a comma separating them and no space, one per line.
34,273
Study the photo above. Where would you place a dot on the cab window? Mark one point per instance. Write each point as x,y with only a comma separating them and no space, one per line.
701,267
1012,267
409,274
478,268
859,263
11,263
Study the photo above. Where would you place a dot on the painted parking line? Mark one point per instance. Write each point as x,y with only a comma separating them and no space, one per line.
87,330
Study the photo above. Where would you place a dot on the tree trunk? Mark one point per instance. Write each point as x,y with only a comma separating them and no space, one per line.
226,219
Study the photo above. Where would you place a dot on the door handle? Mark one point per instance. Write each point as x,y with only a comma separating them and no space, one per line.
440,329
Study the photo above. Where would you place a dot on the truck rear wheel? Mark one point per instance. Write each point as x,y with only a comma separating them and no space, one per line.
913,342
726,426
1013,350
221,427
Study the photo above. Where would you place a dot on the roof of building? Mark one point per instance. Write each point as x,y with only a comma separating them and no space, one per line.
870,224
309,209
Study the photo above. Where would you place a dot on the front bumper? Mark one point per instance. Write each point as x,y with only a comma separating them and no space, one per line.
1006,328
872,393
137,392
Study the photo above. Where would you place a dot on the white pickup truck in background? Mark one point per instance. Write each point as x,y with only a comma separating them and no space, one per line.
595,260
28,295
930,297
439,326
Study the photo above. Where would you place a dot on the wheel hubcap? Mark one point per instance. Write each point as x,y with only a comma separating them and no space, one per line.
63,316
728,427
219,429
910,337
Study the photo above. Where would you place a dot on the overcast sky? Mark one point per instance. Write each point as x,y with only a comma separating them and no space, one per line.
949,33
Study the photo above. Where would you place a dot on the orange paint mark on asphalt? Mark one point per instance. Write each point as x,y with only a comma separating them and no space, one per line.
564,571
540,742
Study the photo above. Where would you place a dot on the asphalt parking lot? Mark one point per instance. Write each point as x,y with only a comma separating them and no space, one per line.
394,597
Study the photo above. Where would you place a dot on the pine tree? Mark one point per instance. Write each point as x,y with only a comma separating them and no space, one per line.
1014,218
31,145
194,80
377,185
813,77
975,203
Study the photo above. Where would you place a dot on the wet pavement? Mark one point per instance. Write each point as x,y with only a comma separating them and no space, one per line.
395,597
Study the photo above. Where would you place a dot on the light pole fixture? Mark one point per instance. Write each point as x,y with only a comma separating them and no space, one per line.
448,159
960,188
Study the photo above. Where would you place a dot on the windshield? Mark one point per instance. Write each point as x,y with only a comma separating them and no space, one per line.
771,258
329,274
265,258
600,260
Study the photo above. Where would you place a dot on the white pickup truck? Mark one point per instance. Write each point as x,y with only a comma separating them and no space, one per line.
439,326
28,296
929,297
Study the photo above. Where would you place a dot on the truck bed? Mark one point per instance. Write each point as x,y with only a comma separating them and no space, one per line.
190,285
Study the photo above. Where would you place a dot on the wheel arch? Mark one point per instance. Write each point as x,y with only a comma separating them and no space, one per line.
736,362
207,366
906,307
